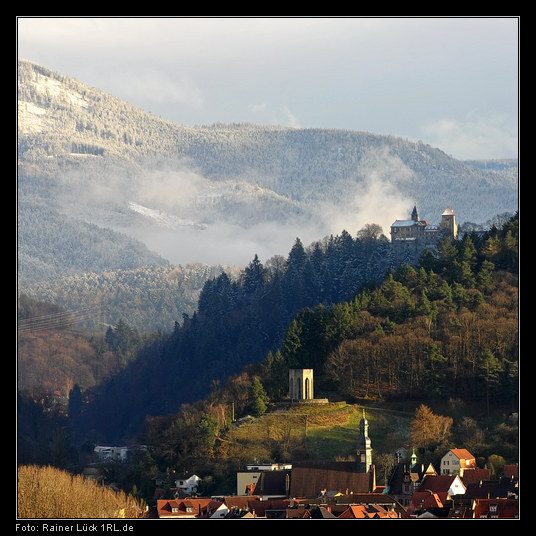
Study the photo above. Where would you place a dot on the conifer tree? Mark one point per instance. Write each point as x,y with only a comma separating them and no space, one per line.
259,398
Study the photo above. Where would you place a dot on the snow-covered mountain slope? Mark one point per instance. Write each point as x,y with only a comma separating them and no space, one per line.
95,158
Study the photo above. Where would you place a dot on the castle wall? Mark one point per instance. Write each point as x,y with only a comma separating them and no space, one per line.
410,237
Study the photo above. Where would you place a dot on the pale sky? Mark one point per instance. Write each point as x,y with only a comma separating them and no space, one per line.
449,82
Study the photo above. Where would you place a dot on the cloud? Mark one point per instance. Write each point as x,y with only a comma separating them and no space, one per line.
387,75
158,88
291,119
170,189
378,197
225,243
266,113
483,138
374,195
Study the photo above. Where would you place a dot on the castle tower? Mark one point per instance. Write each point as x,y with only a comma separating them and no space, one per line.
448,222
415,214
300,384
364,450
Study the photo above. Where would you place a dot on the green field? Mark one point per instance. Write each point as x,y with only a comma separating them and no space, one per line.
318,432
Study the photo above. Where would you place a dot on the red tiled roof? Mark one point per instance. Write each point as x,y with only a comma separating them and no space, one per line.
308,481
496,508
240,501
471,476
184,507
437,483
354,511
259,507
462,454
376,510
481,490
426,499
369,511
511,470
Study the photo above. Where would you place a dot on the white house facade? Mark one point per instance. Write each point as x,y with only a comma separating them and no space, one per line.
456,461
187,483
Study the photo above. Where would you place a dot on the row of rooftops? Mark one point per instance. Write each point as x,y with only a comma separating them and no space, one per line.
250,507
472,495
433,499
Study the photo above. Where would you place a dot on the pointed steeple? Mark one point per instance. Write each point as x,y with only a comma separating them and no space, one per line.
413,459
415,214
364,450
363,424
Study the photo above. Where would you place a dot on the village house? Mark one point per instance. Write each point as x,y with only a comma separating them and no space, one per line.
405,479
456,461
111,454
187,483
271,486
181,483
190,508
311,480
117,454
433,495
496,509
444,485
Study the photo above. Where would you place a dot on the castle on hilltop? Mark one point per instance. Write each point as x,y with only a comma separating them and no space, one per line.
411,237
417,230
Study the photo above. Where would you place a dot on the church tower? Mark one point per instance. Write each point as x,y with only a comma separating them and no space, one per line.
364,450
415,214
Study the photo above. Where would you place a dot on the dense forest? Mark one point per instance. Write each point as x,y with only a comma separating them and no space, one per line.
237,322
154,296
447,328
52,245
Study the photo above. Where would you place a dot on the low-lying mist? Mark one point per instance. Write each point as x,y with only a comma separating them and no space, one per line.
187,218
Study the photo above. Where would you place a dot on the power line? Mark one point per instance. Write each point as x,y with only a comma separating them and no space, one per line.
58,320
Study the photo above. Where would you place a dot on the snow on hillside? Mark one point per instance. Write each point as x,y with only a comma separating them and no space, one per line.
162,218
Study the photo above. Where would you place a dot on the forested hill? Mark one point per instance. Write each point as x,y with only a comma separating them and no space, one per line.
52,245
445,328
237,322
215,194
